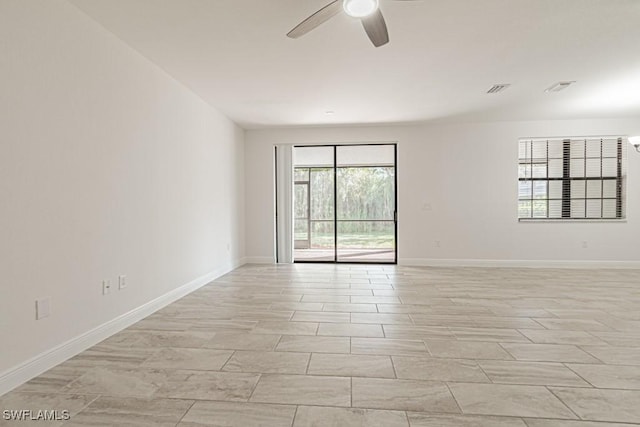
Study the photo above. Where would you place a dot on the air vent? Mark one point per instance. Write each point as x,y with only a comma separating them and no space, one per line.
559,86
498,88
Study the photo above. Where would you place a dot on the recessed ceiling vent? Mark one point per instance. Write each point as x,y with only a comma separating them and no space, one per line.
559,86
498,88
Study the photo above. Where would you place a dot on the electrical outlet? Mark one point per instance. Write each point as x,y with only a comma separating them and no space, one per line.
43,308
122,282
106,287
437,243
585,244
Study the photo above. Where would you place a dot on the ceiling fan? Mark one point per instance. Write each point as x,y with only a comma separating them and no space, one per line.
368,11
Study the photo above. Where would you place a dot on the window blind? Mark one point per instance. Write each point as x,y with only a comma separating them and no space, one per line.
571,178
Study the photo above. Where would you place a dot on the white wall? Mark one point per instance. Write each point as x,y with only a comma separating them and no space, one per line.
107,166
467,173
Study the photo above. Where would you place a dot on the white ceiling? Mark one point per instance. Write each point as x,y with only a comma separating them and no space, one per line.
442,58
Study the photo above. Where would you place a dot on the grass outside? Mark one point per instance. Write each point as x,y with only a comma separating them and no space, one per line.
375,240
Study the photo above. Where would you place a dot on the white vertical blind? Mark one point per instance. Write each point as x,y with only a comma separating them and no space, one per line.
284,203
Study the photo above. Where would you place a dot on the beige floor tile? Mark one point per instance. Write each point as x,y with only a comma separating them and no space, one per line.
286,328
509,400
303,390
188,358
531,373
489,334
350,330
226,414
409,332
403,395
363,299
274,362
112,356
207,385
466,350
316,416
297,306
327,298
615,355
609,376
602,405
548,353
351,365
428,368
421,419
386,346
140,338
619,339
231,341
381,318
130,412
561,337
322,316
53,380
573,324
118,382
314,344
350,308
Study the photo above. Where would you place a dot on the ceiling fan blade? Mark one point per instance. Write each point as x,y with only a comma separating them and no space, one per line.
320,17
376,28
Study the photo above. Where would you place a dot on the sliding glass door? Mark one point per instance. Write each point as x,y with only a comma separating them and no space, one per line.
345,203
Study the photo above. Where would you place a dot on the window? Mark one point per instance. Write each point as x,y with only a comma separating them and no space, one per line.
571,178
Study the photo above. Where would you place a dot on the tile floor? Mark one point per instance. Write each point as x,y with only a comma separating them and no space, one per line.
366,345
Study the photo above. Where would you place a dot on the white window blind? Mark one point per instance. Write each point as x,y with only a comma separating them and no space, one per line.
571,178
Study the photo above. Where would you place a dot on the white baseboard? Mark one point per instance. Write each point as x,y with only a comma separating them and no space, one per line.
41,363
260,260
425,262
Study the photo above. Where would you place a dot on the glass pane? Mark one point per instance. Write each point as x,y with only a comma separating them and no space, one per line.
366,193
609,167
578,190
366,155
524,148
609,209
555,209
540,189
577,209
301,231
524,209
594,208
577,168
609,188
322,235
540,150
555,189
366,241
524,189
300,201
593,168
313,156
301,174
539,170
524,171
539,208
555,168
577,148
593,148
594,189
610,148
555,149
322,190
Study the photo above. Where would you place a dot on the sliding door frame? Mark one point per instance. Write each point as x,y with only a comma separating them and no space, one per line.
335,203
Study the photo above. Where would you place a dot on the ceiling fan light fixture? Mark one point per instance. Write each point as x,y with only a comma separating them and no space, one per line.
360,8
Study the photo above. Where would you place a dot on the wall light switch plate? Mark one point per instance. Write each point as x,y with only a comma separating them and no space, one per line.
122,282
106,287
43,308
